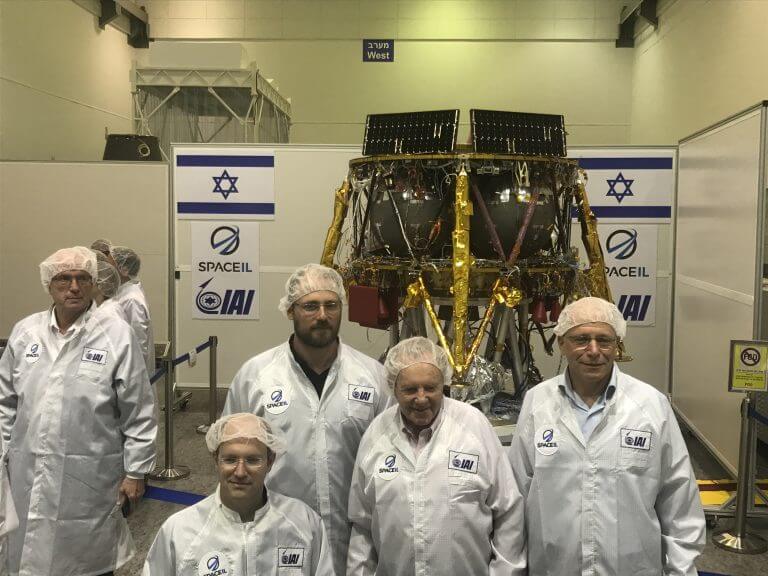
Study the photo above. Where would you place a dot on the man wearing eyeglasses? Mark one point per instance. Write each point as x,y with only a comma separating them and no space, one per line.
602,465
78,421
320,394
242,529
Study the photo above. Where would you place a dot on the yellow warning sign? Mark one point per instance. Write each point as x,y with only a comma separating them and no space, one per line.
748,366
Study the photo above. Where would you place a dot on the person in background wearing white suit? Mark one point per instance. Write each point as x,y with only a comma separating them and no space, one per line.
602,465
432,490
133,301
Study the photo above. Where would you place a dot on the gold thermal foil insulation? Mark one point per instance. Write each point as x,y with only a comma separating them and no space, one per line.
340,205
462,262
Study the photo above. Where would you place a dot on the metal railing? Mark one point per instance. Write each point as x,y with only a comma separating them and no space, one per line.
171,470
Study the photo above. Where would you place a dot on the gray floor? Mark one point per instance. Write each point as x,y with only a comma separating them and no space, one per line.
190,450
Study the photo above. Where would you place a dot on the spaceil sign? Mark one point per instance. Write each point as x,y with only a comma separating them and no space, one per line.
225,265
630,252
630,264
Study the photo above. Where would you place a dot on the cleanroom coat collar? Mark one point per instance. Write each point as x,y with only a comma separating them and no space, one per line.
568,418
233,516
302,377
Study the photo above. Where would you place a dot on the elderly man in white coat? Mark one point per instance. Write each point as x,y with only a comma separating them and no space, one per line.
320,395
600,460
77,418
242,529
432,491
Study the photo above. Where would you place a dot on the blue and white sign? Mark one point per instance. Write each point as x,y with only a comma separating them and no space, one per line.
225,270
631,256
378,50
224,183
630,185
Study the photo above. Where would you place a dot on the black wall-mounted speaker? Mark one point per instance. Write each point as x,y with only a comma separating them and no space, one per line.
132,147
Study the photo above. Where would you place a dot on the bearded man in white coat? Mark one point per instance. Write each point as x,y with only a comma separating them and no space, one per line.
78,421
432,491
602,465
317,393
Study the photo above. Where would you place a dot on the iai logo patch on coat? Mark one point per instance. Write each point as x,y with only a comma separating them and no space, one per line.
636,439
32,353
213,564
290,557
359,393
95,355
277,401
545,440
463,462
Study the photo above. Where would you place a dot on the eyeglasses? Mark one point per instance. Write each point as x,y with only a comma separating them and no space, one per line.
65,280
583,340
310,308
250,462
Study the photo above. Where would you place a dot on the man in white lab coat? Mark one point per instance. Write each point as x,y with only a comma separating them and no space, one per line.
432,490
600,460
320,395
242,529
78,421
133,301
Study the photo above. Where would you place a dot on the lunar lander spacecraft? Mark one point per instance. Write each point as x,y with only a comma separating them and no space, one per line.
469,245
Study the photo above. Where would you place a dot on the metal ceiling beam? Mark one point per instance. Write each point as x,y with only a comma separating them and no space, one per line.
645,9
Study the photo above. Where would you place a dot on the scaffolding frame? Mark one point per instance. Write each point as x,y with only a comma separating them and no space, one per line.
240,95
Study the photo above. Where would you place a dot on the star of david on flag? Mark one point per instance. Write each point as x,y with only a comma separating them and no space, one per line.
229,187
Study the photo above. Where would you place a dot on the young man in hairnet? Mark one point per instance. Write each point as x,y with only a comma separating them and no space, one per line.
242,528
320,394
133,301
601,463
78,421
432,490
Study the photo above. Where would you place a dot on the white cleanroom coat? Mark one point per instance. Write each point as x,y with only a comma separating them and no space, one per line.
112,306
74,424
454,510
133,301
285,537
624,502
322,434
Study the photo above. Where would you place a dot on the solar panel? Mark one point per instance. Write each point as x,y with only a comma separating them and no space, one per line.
498,132
411,132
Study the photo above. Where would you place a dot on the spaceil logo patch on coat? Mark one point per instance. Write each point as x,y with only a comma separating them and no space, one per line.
32,353
361,393
277,401
463,462
213,564
545,440
386,468
637,439
290,557
95,355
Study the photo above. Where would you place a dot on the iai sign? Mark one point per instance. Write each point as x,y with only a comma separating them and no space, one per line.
225,265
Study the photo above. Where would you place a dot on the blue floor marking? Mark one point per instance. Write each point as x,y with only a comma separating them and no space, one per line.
173,496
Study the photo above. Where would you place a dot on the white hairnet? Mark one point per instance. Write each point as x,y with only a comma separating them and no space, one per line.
66,259
102,245
416,350
243,426
107,277
127,261
307,279
590,309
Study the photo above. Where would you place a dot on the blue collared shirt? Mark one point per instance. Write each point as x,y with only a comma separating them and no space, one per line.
588,416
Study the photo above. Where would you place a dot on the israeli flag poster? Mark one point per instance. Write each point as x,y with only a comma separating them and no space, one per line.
629,185
224,183
225,270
